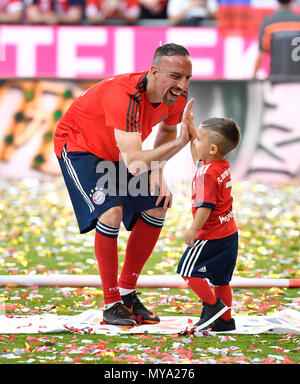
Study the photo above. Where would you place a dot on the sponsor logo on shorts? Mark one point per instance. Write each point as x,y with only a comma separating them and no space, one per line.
98,197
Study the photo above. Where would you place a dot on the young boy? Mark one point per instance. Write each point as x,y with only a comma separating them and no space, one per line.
212,238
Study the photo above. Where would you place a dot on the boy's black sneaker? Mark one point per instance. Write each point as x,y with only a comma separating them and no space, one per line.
221,325
138,310
210,313
118,315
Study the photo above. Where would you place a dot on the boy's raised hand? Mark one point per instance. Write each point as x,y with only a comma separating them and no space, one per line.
188,119
187,111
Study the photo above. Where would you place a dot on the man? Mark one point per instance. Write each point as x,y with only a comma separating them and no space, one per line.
104,129
276,36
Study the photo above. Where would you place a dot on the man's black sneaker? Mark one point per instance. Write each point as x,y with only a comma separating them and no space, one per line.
133,304
118,315
210,313
221,325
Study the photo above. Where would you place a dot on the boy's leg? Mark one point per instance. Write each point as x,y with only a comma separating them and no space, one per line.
215,260
224,292
197,261
202,289
212,307
225,322
206,295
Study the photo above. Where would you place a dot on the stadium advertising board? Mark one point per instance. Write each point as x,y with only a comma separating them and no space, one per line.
95,51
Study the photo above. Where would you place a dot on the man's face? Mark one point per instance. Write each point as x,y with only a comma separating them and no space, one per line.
172,76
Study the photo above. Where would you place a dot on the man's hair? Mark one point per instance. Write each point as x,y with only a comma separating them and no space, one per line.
284,1
169,49
225,133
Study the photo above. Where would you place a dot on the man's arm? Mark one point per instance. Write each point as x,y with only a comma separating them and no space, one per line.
137,159
165,134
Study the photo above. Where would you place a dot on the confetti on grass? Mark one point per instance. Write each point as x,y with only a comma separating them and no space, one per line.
39,235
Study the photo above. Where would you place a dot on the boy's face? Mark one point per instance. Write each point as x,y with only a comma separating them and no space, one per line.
202,145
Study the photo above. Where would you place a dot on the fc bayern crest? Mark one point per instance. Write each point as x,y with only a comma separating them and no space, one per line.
98,197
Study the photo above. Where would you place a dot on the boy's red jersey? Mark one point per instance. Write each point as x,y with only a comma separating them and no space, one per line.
117,102
211,187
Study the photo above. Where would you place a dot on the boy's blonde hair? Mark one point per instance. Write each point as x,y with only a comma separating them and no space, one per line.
225,133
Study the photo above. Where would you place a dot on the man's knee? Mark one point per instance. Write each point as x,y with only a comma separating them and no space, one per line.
112,216
157,212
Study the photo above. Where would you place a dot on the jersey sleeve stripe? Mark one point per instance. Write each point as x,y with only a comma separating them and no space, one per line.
131,115
137,96
132,110
128,115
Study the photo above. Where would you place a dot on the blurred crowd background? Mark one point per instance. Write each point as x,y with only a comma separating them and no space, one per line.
128,12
